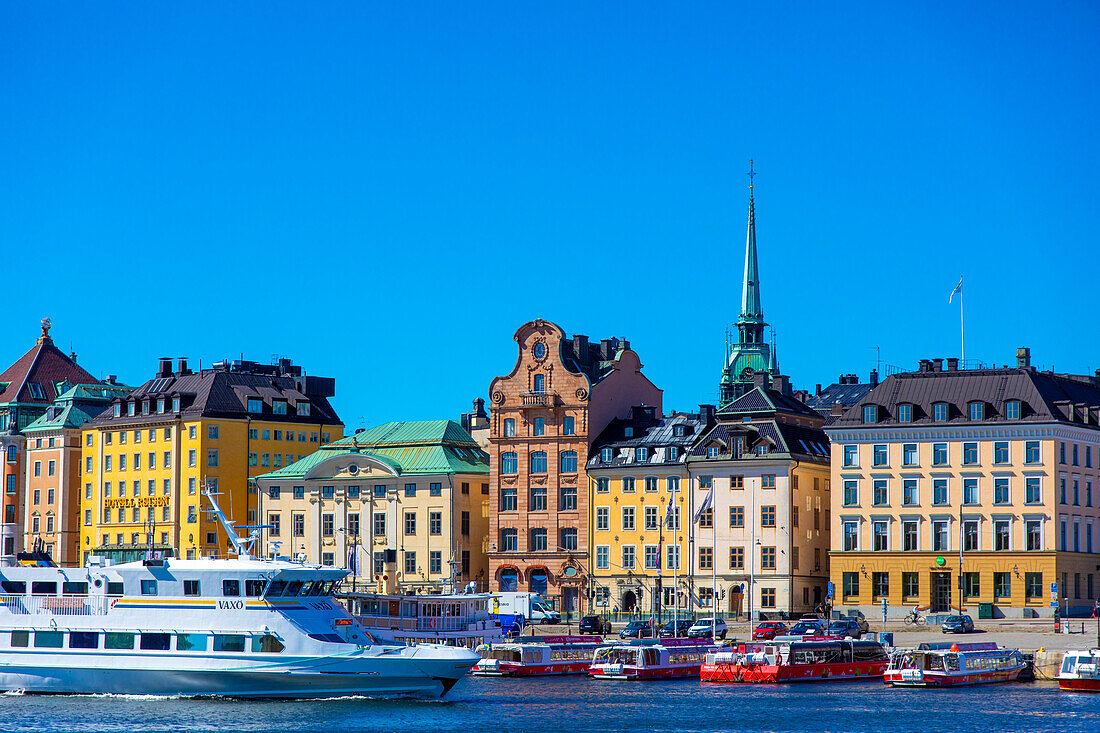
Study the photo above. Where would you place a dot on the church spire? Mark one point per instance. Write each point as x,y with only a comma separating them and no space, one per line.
750,288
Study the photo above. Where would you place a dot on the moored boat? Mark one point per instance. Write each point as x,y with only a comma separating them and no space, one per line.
650,659
796,661
945,664
454,619
532,656
1080,671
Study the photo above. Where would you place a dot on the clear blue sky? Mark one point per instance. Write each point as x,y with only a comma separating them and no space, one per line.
385,193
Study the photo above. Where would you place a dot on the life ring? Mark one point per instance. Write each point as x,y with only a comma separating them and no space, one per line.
433,623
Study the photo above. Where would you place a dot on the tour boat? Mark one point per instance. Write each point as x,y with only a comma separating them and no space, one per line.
1080,671
238,627
797,661
538,655
944,664
649,659
454,619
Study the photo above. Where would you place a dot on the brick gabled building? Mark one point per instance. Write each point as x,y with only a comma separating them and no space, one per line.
559,396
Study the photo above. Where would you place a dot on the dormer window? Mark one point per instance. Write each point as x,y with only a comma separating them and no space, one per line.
977,411
255,405
870,413
628,432
673,452
678,431
131,407
762,449
939,411
118,409
905,413
175,404
36,390
712,451
161,404
641,454
278,407
1012,410
607,455
303,409
145,407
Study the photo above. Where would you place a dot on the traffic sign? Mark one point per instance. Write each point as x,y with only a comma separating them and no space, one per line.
1054,604
1054,589
831,590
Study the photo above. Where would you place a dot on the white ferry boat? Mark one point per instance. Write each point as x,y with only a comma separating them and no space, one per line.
1080,671
530,656
454,619
243,627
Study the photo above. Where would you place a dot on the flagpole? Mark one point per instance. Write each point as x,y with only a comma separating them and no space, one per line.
713,568
962,332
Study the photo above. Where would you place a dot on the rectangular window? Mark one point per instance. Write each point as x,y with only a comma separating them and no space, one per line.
118,640
909,492
970,491
212,457
767,481
379,524
737,558
909,454
603,485
629,485
880,456
939,536
851,535
909,537
435,523
706,518
1033,531
568,426
569,498
538,498
767,558
851,492
881,535
910,585
850,582
539,426
298,522
628,557
971,585
539,539
767,516
851,456
970,535
737,517
569,539
628,518
1000,452
410,562
706,558
508,499
939,454
603,557
328,525
880,585
1032,452
1001,534
1002,585
148,587
970,454
880,496
939,491
191,588
905,413
672,557
651,484
410,523
435,562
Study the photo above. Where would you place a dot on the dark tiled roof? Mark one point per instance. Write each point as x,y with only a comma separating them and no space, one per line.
650,431
766,400
45,365
782,439
845,395
221,393
1044,396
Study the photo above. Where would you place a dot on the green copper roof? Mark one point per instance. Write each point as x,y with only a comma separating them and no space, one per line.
750,288
417,447
65,416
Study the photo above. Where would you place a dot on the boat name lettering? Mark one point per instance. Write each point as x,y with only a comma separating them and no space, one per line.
231,605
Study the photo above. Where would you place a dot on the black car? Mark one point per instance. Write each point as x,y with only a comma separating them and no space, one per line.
845,627
958,625
637,630
595,625
682,627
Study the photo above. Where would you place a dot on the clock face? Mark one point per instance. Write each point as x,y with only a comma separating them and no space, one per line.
539,350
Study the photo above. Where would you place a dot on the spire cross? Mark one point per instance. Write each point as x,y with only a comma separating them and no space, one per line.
751,174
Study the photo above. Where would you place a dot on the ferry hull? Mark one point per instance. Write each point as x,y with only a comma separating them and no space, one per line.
530,670
896,679
764,673
628,673
425,677
1080,685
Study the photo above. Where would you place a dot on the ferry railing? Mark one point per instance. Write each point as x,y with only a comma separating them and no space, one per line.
422,623
55,605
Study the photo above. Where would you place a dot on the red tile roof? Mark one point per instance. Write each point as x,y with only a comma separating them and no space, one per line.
46,365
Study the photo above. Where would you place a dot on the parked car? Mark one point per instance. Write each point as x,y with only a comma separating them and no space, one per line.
639,629
845,627
768,630
812,627
682,627
703,628
958,625
863,626
595,625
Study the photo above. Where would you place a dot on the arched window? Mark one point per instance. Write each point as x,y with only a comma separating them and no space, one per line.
569,461
508,463
509,580
538,462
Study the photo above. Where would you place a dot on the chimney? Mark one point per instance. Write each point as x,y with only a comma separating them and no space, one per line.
952,364
182,367
873,379
111,378
937,365
760,380
925,366
1023,357
165,368
837,409
72,356
781,383
817,389
706,413
607,349
580,348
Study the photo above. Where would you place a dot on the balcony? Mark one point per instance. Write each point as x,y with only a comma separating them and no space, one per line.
538,399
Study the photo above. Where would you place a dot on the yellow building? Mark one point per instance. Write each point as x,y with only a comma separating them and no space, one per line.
1002,464
396,505
147,458
641,550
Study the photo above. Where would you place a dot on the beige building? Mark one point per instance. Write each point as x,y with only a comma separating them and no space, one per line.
1000,464
396,504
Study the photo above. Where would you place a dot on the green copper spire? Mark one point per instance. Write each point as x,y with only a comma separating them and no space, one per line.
752,354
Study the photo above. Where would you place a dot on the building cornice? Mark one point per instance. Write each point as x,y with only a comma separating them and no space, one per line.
896,433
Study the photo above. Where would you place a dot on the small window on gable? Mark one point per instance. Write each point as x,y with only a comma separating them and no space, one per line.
905,413
939,412
1012,410
870,413
678,431
977,410
607,455
36,390
255,405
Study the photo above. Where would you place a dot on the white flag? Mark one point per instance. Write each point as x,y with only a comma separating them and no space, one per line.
707,503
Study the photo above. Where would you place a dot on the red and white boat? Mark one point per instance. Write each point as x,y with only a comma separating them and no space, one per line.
946,664
650,659
538,655
1080,671
811,660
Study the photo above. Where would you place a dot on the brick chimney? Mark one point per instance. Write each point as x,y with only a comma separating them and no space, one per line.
873,379
952,364
1023,357
165,367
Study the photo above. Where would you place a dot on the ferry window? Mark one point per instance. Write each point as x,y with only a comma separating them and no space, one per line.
191,642
191,588
114,589
148,587
14,587
83,640
20,638
44,588
293,588
253,588
228,642
329,585
156,642
276,588
49,639
267,643
231,588
315,588
74,589
118,640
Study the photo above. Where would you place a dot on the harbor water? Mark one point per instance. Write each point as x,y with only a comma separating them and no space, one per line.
576,704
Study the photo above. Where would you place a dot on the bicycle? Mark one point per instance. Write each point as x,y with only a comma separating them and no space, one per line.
914,618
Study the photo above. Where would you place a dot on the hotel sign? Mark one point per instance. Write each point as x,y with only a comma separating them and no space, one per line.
139,501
